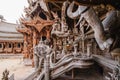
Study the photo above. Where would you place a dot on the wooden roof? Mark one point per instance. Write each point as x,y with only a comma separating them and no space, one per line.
8,32
38,23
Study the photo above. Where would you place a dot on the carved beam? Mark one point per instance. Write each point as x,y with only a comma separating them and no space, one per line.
114,3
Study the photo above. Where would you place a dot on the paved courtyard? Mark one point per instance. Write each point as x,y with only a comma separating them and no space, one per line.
16,67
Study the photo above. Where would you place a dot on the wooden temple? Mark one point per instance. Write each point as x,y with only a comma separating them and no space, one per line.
11,41
69,40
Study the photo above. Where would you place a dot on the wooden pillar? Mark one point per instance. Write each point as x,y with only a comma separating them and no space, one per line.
34,38
83,40
88,50
6,47
72,73
1,47
54,47
46,67
48,34
14,48
21,46
34,44
25,46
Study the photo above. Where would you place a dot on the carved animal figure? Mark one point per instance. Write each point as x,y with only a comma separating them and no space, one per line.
90,16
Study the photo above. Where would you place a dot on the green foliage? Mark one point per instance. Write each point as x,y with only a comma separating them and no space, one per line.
5,75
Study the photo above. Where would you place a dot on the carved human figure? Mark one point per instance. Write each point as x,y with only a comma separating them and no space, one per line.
56,26
41,50
36,56
75,50
63,31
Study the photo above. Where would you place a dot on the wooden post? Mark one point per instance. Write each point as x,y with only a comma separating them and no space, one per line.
34,44
88,50
83,41
46,66
54,47
48,34
34,38
25,46
6,47
72,73
14,48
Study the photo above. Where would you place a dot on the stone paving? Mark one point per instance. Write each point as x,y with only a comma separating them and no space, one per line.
16,67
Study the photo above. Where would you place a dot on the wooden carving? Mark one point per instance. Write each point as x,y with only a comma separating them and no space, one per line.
71,37
38,23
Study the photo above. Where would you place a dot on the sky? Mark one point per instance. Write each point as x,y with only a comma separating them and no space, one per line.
12,10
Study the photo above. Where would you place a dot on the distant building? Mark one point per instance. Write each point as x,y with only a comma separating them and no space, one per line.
11,41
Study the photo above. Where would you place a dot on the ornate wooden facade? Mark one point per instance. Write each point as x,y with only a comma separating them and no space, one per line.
70,37
11,41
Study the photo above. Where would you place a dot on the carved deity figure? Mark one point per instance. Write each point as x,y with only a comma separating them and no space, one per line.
56,26
41,50
61,24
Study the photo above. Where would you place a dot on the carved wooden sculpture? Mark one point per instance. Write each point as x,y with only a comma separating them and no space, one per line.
61,31
38,23
90,16
42,50
71,35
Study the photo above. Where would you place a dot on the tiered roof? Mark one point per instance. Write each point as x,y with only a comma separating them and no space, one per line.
8,32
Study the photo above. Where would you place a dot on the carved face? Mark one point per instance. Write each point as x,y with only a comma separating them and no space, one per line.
42,50
65,28
58,26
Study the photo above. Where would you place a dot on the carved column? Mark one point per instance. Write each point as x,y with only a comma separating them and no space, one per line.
83,40
88,50
6,47
46,66
14,50
34,38
34,44
75,50
54,48
48,34
25,46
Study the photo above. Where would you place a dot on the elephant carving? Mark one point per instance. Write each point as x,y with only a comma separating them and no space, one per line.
88,13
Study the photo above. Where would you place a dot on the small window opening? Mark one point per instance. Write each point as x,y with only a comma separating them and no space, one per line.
18,45
0,45
10,45
43,38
